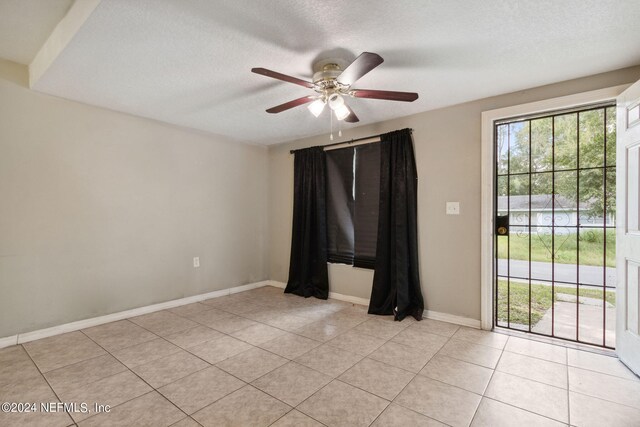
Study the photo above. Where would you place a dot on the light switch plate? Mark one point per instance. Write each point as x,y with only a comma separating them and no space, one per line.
453,208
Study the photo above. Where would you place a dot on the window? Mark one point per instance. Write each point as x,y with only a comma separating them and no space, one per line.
353,192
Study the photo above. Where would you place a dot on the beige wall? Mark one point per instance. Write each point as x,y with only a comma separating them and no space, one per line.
102,212
447,148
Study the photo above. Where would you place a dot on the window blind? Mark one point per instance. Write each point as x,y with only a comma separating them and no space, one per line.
340,203
353,190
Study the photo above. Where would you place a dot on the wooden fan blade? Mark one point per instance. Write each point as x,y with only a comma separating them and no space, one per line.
351,118
385,94
283,77
287,105
364,63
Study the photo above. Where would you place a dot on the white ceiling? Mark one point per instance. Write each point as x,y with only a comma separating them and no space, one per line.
188,62
26,24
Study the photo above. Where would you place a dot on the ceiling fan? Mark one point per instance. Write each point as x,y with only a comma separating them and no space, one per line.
332,84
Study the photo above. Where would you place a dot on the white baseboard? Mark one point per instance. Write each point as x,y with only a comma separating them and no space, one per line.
349,298
247,287
332,295
451,318
8,341
428,314
277,284
95,321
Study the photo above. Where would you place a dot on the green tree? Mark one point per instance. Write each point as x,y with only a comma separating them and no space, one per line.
559,143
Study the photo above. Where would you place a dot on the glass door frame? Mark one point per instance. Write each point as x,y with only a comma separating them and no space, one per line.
553,169
487,262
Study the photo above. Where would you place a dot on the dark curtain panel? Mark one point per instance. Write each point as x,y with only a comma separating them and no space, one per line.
396,282
308,266
367,189
340,205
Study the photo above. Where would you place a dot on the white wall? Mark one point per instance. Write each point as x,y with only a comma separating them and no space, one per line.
447,147
102,212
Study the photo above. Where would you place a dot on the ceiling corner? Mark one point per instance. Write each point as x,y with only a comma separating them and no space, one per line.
60,37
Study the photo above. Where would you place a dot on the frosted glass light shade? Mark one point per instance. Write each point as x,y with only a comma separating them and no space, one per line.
335,101
341,112
316,107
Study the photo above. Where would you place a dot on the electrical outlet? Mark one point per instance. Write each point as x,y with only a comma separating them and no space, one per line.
196,261
453,208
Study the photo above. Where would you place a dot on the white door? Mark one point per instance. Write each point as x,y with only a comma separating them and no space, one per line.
628,227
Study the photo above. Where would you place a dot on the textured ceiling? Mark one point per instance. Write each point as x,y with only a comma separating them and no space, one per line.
188,62
26,24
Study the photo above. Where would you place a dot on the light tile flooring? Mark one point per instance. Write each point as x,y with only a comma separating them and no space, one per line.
261,358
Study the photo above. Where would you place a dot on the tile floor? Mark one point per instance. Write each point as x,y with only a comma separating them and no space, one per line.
261,358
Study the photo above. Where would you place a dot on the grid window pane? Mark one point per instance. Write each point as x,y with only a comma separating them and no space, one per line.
611,136
565,201
596,314
565,141
556,182
519,200
610,201
541,145
591,253
591,138
519,147
541,307
591,197
502,306
565,254
565,312
502,149
610,320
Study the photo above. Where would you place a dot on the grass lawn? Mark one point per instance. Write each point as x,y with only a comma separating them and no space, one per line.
540,300
591,247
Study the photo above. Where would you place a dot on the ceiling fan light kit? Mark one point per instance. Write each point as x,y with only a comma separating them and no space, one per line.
332,84
341,112
335,101
317,107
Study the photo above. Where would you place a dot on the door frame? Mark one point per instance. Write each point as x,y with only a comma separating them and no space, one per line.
487,177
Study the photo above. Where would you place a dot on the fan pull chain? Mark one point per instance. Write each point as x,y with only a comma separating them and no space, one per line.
331,119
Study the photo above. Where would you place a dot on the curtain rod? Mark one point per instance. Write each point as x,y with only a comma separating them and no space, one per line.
351,141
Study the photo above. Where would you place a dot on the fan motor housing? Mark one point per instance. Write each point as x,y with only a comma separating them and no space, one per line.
326,81
328,72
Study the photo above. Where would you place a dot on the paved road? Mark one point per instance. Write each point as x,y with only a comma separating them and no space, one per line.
563,272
